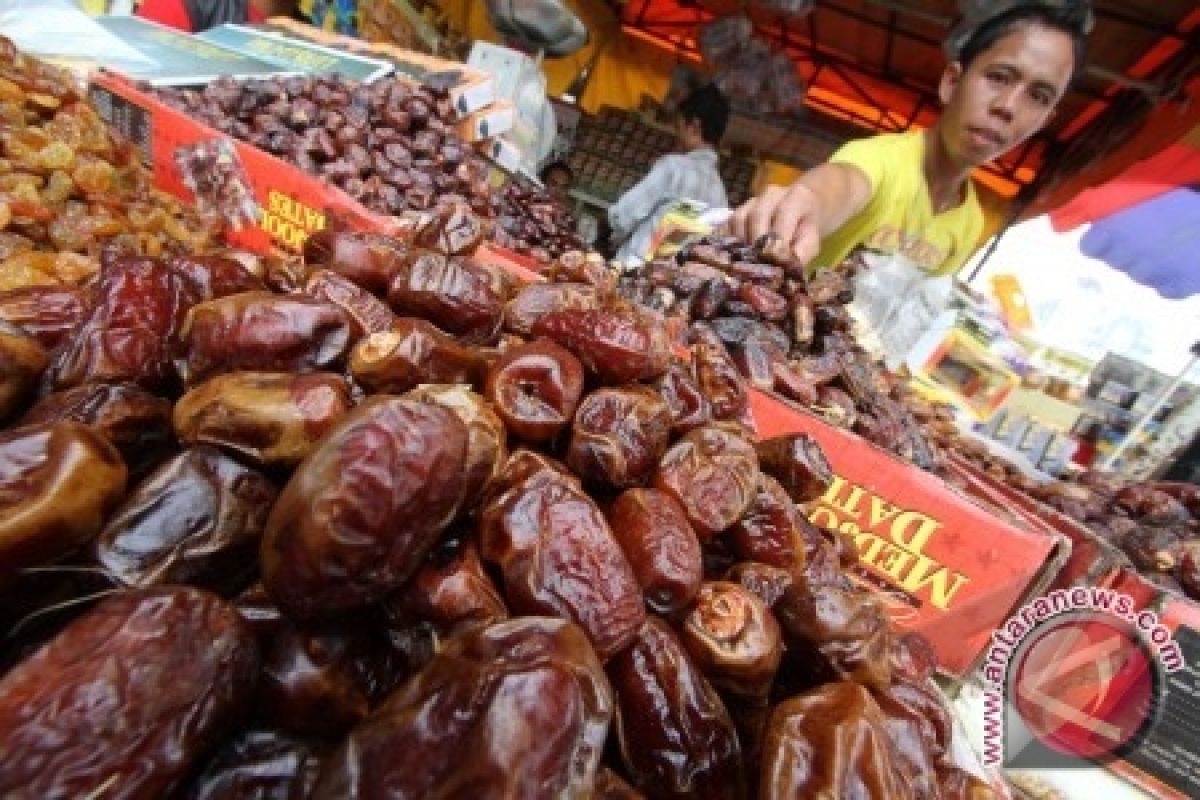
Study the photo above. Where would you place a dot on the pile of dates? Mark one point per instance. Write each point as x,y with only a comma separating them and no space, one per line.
68,189
388,144
405,529
786,332
531,223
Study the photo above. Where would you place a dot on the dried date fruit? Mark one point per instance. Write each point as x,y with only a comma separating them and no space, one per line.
1153,549
919,728
367,312
802,320
845,631
557,554
273,419
797,461
197,520
660,545
536,300
487,448
689,407
675,735
793,384
616,346
452,591
58,483
411,353
829,742
135,421
125,701
259,765
713,473
210,277
717,375
453,230
766,303
261,331
734,639
1189,569
618,436
913,658
770,532
766,582
611,786
452,293
22,361
362,511
517,709
47,313
837,407
535,388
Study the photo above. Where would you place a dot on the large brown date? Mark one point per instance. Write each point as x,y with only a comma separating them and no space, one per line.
611,786
451,230
137,422
734,639
798,463
717,375
210,277
713,473
129,330
363,510
368,259
196,520
616,346
259,765
766,582
411,353
537,300
452,591
535,387
22,360
770,530
689,406
58,483
829,742
262,331
487,448
517,709
618,436
274,419
675,734
47,313
558,555
127,698
919,727
661,546
452,293
367,313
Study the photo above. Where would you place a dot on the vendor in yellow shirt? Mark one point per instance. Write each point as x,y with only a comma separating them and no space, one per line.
911,193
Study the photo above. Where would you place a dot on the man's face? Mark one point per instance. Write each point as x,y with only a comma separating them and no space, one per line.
1006,95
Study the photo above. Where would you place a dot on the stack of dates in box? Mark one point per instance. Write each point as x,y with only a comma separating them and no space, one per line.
389,145
406,529
532,224
786,333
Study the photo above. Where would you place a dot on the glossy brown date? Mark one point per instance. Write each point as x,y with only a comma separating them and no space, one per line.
362,511
259,765
661,547
713,473
452,230
452,293
368,259
537,300
766,582
919,728
716,374
262,331
367,313
136,422
129,329
557,554
616,346
611,786
770,530
797,461
47,313
210,277
22,360
913,658
829,742
487,446
689,407
618,436
124,702
802,320
517,709
452,591
734,639
196,520
411,353
58,483
767,303
676,737
535,388
274,419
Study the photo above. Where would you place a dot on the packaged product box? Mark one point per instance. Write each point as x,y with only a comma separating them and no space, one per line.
945,566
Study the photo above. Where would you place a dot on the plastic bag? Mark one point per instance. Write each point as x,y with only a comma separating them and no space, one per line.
59,29
724,36
785,85
897,302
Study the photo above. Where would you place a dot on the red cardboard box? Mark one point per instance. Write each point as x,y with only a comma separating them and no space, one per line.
948,568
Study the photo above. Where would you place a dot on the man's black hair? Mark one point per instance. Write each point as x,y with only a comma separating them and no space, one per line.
708,105
556,166
1066,18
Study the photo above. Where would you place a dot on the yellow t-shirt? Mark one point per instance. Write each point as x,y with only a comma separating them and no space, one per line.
899,217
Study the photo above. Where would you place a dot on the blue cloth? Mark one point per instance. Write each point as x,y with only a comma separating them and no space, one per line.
1157,243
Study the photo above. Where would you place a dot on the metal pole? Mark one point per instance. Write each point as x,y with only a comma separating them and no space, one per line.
1163,396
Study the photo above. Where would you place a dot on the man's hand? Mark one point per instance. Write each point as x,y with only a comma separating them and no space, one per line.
788,216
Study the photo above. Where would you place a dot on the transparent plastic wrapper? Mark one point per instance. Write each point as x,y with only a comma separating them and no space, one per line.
58,29
897,302
785,84
724,36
